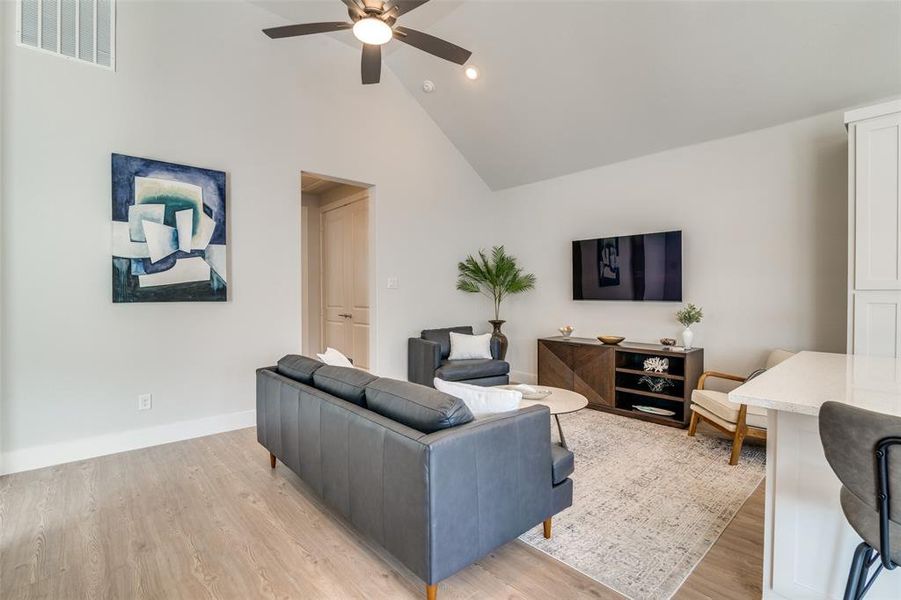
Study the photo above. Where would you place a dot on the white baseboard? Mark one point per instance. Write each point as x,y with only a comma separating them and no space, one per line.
36,457
523,377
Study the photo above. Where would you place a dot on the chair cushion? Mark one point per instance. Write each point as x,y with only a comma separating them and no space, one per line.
730,427
442,336
563,463
469,346
344,382
417,406
777,356
299,368
471,368
718,404
865,521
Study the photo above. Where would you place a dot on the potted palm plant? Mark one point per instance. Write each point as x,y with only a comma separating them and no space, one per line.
496,276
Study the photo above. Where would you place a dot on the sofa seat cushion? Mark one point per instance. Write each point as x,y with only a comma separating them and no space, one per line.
718,404
563,463
344,382
471,368
417,406
299,368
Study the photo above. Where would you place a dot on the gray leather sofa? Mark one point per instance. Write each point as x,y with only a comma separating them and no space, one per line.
427,358
408,466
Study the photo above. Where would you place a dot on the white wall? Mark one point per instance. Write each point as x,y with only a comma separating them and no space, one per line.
763,216
764,227
197,83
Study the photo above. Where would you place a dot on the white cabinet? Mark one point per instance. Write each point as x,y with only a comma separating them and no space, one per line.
874,196
877,323
877,197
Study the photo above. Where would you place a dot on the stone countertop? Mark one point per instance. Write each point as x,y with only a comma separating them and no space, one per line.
805,381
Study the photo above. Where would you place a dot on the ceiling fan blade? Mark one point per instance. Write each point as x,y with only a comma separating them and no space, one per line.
403,6
306,29
432,45
371,65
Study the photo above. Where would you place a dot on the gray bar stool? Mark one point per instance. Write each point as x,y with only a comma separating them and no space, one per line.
858,445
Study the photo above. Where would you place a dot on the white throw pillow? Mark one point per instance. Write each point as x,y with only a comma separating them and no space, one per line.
334,358
480,400
464,346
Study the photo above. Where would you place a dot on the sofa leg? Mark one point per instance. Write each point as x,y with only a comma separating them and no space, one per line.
431,591
547,528
271,460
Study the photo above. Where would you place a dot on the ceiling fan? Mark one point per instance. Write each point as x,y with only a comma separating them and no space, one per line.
374,24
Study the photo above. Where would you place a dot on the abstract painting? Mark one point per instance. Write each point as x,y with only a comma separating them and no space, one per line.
608,263
169,232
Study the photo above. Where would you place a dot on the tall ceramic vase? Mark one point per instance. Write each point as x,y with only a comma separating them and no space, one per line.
688,337
498,336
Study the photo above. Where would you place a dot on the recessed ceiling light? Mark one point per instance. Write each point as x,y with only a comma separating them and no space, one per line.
372,31
471,72
428,86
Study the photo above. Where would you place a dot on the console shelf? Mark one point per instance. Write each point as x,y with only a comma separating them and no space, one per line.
640,372
611,376
649,394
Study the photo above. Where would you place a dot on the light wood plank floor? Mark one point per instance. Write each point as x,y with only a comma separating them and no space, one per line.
207,518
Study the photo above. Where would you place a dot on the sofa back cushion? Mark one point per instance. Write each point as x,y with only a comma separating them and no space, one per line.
416,406
344,382
442,336
299,368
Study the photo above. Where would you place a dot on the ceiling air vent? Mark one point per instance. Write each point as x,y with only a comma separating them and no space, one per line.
83,30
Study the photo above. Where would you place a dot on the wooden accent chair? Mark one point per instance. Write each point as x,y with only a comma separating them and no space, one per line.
739,420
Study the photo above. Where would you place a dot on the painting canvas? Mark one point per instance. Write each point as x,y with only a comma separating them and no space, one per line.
169,232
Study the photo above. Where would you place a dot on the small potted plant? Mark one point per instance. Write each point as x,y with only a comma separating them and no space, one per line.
688,316
496,276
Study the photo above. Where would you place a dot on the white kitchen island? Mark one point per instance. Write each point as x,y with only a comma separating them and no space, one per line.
807,542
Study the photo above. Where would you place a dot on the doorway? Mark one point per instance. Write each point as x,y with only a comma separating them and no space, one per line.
336,267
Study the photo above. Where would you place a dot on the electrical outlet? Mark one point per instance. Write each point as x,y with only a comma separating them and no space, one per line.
392,283
145,401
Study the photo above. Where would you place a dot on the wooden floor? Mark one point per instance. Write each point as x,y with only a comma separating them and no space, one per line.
208,518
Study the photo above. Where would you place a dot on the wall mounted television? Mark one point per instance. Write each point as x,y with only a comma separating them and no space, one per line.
644,267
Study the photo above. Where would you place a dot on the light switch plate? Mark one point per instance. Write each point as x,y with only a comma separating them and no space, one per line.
392,283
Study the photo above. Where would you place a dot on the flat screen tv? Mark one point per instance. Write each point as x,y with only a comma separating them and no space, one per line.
629,267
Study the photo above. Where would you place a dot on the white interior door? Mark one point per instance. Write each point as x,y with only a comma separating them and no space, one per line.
345,278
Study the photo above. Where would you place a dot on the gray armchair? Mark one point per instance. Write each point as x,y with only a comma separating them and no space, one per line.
428,358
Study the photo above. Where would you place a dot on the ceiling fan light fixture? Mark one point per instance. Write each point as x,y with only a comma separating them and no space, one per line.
371,30
374,24
471,72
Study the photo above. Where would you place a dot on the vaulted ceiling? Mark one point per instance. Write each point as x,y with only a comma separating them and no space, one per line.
566,86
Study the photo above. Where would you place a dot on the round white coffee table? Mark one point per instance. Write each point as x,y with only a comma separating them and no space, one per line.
560,402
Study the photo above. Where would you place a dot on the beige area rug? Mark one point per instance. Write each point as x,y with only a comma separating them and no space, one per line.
648,502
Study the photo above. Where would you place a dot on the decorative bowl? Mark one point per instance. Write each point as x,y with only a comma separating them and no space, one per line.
566,330
667,342
653,410
610,340
528,392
